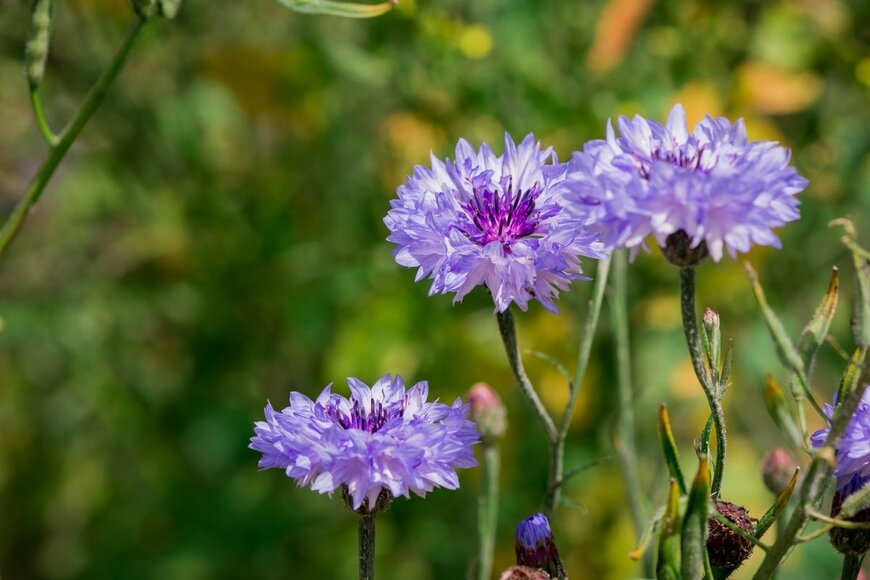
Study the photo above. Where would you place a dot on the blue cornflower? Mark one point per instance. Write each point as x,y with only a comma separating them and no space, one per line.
383,438
853,453
714,185
490,220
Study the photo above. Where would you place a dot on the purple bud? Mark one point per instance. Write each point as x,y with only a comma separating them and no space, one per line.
536,547
777,470
487,411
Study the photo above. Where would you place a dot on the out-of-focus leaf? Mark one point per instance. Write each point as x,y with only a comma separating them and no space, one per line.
773,512
861,258
669,448
777,407
617,27
774,91
693,538
668,561
36,50
816,330
331,8
852,374
785,349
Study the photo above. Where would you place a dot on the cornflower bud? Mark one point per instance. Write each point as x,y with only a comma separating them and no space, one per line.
536,547
488,412
777,470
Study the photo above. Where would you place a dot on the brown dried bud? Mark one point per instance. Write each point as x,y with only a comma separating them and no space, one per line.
679,251
523,573
487,411
777,470
726,548
850,542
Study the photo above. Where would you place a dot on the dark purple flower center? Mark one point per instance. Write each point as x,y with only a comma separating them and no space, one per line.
680,158
370,420
503,217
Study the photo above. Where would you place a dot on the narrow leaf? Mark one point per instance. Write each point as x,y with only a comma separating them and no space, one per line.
333,8
646,536
668,560
861,258
785,349
669,447
554,363
852,374
777,408
704,444
773,512
693,538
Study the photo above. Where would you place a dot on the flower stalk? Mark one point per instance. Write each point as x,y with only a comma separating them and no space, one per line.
690,327
366,546
60,145
625,435
488,509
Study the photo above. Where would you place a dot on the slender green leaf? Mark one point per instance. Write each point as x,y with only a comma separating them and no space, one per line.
773,511
704,443
778,409
554,363
668,560
333,8
861,258
669,447
693,538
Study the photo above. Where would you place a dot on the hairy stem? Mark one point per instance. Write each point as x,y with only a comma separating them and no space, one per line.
625,435
509,338
59,150
366,547
488,510
690,327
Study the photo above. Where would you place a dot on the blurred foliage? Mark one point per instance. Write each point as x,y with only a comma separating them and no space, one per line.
214,239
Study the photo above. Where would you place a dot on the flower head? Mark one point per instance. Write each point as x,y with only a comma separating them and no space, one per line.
487,411
713,184
853,453
382,438
536,547
490,220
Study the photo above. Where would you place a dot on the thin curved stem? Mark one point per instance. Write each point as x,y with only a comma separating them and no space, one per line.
625,435
586,343
41,121
554,443
509,337
690,327
89,106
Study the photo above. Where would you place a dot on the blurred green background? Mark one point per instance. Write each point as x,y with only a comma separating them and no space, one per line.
214,240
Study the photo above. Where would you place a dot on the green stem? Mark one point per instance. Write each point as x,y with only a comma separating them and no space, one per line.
41,121
509,337
690,327
554,443
88,107
366,547
625,435
818,472
851,567
488,510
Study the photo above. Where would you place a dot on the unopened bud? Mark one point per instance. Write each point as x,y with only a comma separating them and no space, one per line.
487,411
851,542
679,251
36,50
523,573
711,319
536,547
777,470
726,548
